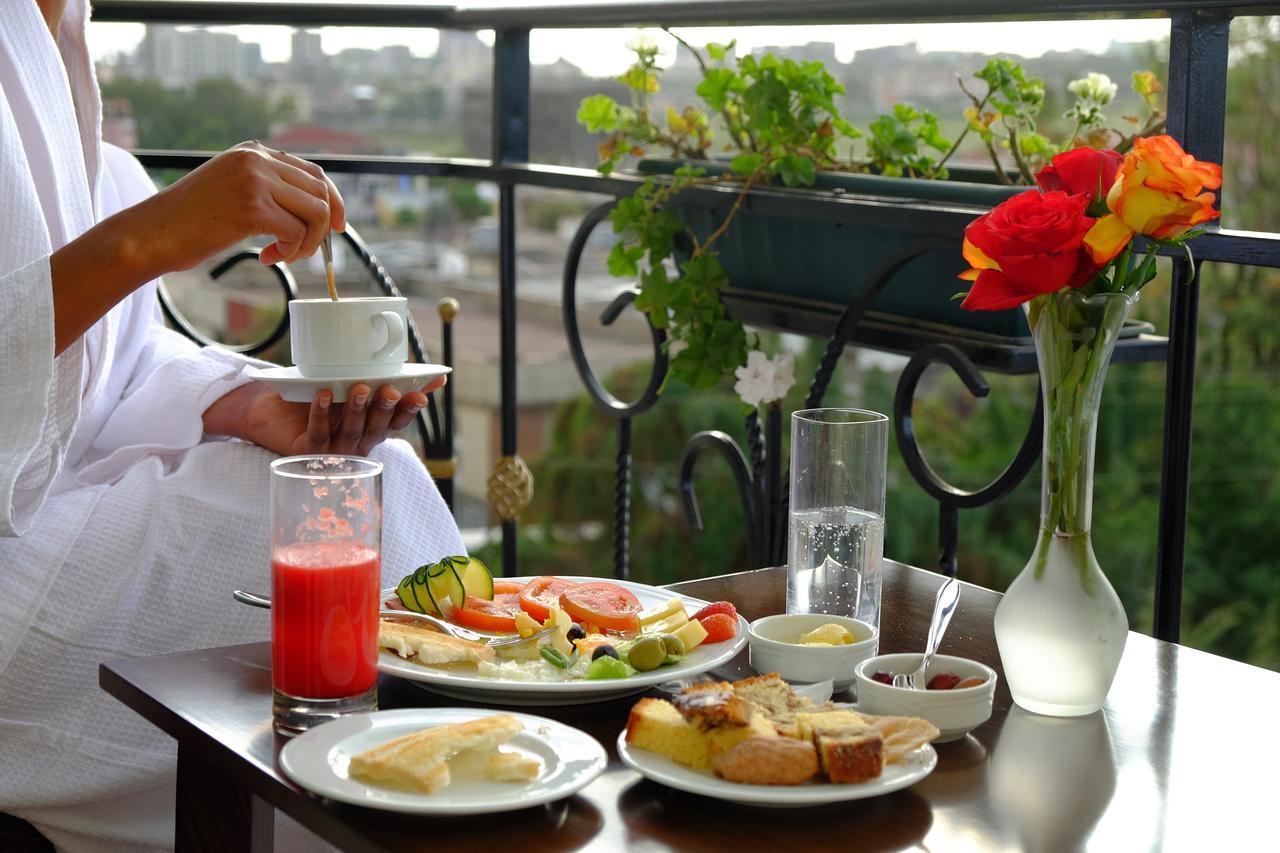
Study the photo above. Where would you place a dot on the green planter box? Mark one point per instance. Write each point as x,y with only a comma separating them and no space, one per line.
818,259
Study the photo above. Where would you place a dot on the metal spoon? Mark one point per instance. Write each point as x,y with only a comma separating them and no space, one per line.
943,606
255,600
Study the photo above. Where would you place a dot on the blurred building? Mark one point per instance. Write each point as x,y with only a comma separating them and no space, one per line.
177,57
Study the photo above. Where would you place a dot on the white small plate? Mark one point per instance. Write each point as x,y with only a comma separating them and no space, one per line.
318,760
296,388
476,688
917,765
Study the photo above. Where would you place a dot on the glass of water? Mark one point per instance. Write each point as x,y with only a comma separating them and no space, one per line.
838,459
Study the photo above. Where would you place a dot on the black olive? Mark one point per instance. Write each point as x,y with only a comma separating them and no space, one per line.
606,649
575,633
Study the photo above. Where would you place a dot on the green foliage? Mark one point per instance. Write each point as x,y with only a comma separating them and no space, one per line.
783,126
898,143
212,114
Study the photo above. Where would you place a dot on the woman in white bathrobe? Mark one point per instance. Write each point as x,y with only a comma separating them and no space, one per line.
133,464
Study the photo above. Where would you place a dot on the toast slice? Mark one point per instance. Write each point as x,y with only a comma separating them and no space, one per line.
419,761
853,756
428,646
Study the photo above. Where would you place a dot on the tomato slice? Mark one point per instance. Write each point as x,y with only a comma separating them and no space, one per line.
604,605
540,594
498,615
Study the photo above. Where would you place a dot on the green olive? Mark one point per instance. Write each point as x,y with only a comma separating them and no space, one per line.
647,653
673,644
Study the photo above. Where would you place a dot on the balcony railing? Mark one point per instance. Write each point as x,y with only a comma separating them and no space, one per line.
1197,77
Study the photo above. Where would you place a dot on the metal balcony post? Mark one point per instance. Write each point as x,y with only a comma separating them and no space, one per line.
510,485
1197,118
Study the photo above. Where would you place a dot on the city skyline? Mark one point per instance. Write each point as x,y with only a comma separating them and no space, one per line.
602,52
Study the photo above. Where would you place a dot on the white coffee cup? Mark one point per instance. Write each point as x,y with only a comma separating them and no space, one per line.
361,338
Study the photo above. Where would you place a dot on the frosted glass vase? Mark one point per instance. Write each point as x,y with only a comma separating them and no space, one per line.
1060,627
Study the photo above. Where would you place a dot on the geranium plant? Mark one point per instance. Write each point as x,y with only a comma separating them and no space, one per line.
776,121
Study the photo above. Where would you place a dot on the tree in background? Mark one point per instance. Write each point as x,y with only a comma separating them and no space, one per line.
210,115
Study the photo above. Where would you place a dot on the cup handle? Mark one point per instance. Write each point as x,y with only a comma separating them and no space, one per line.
395,332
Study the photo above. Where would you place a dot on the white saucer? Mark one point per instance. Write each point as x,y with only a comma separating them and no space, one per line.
296,388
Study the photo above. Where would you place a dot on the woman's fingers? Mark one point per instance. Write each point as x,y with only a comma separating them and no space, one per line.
410,405
435,384
379,419
318,422
309,210
337,208
350,429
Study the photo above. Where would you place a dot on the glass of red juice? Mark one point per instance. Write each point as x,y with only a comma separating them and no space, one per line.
326,528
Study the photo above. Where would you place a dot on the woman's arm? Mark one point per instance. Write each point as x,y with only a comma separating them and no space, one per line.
246,191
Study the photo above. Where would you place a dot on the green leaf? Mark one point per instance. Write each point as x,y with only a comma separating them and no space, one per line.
746,163
716,51
623,258
797,171
598,113
714,87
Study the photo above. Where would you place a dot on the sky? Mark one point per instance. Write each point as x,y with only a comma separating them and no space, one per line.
602,52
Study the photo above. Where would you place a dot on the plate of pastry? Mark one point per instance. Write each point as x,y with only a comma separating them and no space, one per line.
446,761
758,742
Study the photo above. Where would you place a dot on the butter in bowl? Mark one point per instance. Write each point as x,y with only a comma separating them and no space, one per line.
811,647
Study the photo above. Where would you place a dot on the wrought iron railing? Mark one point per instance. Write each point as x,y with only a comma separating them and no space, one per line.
1197,76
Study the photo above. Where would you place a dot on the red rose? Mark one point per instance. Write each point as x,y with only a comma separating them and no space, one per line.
1081,170
1031,244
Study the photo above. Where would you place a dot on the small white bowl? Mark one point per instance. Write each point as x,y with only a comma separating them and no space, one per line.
774,648
954,712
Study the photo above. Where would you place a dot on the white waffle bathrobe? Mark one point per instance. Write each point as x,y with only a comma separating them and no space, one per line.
123,529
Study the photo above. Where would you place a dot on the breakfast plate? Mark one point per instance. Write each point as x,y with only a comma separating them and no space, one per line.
914,767
475,687
296,388
318,760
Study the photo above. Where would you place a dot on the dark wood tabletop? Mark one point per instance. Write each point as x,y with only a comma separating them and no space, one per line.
1183,756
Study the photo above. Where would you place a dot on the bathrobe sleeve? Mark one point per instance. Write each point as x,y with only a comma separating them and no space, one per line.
172,380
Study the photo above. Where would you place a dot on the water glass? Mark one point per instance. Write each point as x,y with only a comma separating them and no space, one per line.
326,527
838,459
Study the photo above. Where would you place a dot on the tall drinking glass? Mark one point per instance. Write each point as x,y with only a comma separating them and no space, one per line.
838,459
326,527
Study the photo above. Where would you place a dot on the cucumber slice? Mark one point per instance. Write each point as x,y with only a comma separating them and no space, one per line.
443,583
477,580
414,594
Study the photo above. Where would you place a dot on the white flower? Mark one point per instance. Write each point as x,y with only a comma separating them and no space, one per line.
1096,87
764,380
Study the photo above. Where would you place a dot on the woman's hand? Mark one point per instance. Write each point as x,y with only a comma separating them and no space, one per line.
255,412
246,191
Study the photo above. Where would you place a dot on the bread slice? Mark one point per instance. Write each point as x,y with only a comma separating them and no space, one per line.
713,705
828,722
428,646
854,756
768,761
418,761
656,725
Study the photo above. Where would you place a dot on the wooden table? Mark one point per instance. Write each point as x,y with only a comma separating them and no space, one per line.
1184,756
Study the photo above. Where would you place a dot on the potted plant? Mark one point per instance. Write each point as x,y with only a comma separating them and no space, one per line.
777,123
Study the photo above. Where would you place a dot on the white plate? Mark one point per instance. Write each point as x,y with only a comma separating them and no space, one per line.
917,765
507,692
296,388
318,760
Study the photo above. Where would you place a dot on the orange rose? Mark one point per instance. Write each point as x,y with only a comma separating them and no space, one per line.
1159,192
